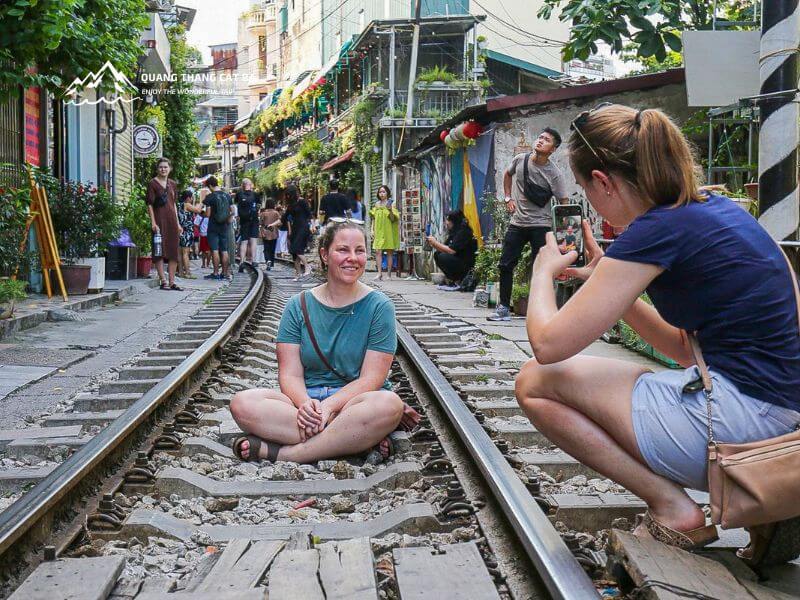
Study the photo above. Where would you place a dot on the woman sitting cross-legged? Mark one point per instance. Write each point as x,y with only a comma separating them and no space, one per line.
709,269
333,361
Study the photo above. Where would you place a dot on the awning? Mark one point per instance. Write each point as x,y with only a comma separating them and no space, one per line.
242,123
338,160
333,61
302,86
524,65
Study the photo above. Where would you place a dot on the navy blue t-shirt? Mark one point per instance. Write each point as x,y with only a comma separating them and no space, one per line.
725,278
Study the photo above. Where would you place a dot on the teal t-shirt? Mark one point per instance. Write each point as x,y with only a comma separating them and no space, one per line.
343,334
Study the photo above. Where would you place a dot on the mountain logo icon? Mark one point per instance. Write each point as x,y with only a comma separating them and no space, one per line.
111,86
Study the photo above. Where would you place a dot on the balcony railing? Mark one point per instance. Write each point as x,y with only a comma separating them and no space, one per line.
259,16
438,103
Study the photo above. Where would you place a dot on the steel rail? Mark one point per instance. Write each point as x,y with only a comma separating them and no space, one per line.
25,513
560,572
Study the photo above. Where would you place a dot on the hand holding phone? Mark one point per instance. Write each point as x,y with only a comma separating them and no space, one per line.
568,230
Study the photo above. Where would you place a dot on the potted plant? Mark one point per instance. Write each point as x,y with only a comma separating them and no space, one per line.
137,222
11,291
85,220
14,208
519,298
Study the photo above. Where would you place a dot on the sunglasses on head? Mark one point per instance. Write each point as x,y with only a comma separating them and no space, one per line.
346,220
580,121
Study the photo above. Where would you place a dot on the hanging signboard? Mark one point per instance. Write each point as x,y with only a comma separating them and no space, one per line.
721,66
146,140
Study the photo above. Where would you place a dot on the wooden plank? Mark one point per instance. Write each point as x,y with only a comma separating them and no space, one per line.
204,567
247,571
126,590
293,576
232,553
347,571
72,579
300,540
157,585
256,594
457,573
647,560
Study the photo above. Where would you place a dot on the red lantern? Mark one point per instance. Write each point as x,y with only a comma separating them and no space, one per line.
472,130
322,81
443,134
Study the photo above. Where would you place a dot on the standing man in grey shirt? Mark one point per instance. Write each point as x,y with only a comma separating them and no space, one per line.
529,205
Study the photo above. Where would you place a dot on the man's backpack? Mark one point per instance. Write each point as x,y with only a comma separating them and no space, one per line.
220,204
247,206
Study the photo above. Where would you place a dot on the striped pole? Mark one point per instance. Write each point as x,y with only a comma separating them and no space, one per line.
779,204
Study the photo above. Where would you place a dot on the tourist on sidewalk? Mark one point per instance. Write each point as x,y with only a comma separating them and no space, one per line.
204,248
336,343
528,201
247,202
186,212
711,272
231,239
385,229
270,220
219,210
456,256
334,203
161,197
356,205
297,219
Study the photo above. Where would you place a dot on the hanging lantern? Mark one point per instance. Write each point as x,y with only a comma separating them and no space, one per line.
472,130
443,134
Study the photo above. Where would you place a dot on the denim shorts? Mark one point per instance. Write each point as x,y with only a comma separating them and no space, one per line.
671,426
218,238
322,392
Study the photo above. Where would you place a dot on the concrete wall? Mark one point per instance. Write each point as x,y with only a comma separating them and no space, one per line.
531,120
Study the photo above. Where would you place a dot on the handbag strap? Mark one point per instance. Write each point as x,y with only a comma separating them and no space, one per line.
313,339
701,363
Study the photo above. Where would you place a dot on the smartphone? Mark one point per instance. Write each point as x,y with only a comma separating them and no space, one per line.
567,227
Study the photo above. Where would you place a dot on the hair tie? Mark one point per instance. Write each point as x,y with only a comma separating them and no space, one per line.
638,120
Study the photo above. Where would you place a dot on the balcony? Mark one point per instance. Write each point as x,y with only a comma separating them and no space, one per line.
431,105
259,16
157,48
261,76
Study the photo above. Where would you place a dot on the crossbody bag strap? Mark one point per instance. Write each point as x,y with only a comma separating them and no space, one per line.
701,363
313,339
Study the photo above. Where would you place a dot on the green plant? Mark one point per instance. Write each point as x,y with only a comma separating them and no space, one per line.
398,112
266,179
520,290
482,378
481,352
495,207
365,133
14,205
136,220
522,272
494,337
436,73
12,289
50,42
486,261
85,218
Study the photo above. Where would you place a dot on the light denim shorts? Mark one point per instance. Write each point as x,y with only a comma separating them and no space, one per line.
671,426
322,392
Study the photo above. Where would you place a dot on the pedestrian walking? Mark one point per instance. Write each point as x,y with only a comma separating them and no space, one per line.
385,229
723,295
334,203
204,248
161,197
270,220
356,206
298,220
247,208
334,399
232,234
219,211
282,247
529,183
186,212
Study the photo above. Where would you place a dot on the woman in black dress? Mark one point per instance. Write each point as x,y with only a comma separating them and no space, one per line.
298,219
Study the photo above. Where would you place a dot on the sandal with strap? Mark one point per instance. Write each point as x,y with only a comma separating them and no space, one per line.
176,287
685,540
772,544
253,452
164,285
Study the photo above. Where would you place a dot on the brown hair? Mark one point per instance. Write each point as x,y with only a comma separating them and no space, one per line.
644,147
327,237
161,160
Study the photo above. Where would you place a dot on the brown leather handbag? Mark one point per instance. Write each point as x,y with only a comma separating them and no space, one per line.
757,482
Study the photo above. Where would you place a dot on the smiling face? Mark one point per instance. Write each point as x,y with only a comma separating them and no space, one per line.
346,257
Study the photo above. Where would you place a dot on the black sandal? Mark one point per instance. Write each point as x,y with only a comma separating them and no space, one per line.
255,449
175,287
164,286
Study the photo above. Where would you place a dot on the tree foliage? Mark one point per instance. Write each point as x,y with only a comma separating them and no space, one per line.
180,140
50,42
654,26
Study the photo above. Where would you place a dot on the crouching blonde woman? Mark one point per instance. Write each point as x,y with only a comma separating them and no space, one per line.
709,268
333,362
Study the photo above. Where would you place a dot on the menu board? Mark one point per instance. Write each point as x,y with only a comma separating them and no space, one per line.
412,220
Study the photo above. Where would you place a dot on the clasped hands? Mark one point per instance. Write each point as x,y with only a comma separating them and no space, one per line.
313,416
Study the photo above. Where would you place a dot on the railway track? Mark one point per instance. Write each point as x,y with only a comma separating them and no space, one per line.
475,503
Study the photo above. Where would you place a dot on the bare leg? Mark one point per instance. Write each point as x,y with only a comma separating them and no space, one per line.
389,263
172,266
185,256
362,423
243,249
225,264
159,262
378,256
215,261
252,251
583,405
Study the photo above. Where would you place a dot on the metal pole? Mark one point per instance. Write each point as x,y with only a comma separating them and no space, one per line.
778,136
412,70
392,59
